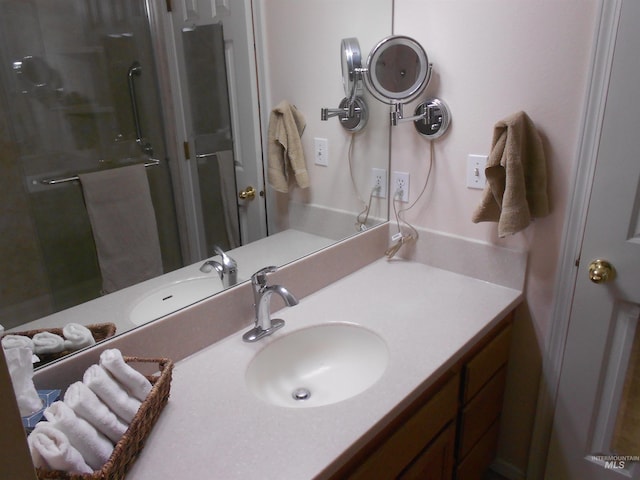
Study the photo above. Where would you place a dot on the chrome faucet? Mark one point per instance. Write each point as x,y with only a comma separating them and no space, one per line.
264,324
227,270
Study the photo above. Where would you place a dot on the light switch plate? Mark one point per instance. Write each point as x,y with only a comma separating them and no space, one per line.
475,171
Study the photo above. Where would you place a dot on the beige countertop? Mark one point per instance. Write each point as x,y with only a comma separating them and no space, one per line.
214,427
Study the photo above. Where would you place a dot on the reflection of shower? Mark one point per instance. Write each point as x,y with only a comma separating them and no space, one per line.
145,145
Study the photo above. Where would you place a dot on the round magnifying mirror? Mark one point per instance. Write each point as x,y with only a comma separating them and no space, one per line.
351,67
398,69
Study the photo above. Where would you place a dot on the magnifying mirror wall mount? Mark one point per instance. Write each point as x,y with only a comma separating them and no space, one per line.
353,113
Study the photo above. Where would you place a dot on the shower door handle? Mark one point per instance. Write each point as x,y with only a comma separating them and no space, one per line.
136,69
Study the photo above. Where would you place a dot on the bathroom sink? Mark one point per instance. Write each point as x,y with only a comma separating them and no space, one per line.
173,297
318,365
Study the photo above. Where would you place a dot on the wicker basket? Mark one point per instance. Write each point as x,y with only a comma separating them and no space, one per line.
100,331
129,446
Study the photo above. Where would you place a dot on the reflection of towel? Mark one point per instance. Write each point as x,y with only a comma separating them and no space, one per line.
136,383
516,187
286,125
87,405
124,225
20,364
227,169
47,342
77,336
93,446
50,448
111,393
17,341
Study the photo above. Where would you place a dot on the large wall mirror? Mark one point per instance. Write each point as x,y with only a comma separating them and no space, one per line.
93,85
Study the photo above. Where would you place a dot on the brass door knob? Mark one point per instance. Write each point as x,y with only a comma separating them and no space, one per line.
248,193
601,271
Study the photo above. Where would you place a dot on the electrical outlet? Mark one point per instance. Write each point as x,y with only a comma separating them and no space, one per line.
475,171
379,182
321,149
400,186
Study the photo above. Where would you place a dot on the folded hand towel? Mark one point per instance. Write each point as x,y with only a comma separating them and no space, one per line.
47,342
87,405
111,393
516,187
286,125
93,446
50,448
17,341
20,364
132,380
77,336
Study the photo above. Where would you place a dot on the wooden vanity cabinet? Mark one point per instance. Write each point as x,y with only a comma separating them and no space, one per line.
483,381
451,430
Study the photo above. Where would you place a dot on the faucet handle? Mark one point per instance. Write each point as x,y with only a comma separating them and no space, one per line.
260,277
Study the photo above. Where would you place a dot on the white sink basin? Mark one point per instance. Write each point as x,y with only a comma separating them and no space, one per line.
173,297
318,365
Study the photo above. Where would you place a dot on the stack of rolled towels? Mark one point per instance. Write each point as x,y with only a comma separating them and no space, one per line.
75,337
80,432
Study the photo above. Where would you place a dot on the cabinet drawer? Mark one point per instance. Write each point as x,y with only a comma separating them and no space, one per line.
486,363
403,445
481,412
436,462
475,465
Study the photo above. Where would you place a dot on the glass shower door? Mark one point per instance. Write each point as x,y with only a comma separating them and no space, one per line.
65,108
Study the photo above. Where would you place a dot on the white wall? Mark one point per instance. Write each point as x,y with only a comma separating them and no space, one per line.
304,67
493,58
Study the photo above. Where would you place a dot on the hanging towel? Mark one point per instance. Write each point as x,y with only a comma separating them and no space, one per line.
227,170
124,225
516,189
286,125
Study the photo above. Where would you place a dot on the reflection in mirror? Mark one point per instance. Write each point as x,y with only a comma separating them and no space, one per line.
74,115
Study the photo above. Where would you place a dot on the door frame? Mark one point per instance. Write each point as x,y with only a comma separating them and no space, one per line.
573,232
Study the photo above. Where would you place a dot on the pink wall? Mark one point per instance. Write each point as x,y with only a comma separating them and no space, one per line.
492,58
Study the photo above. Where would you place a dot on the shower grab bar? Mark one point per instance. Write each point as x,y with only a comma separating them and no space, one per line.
55,181
136,69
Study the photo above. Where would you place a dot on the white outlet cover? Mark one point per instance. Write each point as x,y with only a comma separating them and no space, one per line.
397,179
475,171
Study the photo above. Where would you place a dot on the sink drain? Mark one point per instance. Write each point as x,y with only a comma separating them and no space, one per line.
301,394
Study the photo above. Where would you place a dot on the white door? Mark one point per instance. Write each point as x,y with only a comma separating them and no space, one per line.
236,19
596,428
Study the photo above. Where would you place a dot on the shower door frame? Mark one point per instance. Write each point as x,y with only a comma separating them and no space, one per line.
243,93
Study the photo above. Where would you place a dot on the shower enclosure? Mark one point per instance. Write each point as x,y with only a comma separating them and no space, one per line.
79,93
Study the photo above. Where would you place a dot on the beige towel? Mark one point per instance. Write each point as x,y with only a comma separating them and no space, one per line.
516,187
286,125
124,225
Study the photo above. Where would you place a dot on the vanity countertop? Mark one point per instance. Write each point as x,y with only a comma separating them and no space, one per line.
214,427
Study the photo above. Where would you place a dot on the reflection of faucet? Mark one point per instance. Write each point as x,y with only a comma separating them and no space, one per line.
264,325
227,270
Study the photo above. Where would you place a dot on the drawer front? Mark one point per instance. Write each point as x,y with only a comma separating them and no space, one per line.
486,363
436,462
476,464
399,450
481,412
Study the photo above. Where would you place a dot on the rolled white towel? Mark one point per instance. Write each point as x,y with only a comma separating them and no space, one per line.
50,448
87,405
17,341
47,342
136,384
77,336
111,393
94,447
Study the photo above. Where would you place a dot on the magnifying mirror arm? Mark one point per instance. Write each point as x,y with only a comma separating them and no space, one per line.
397,115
